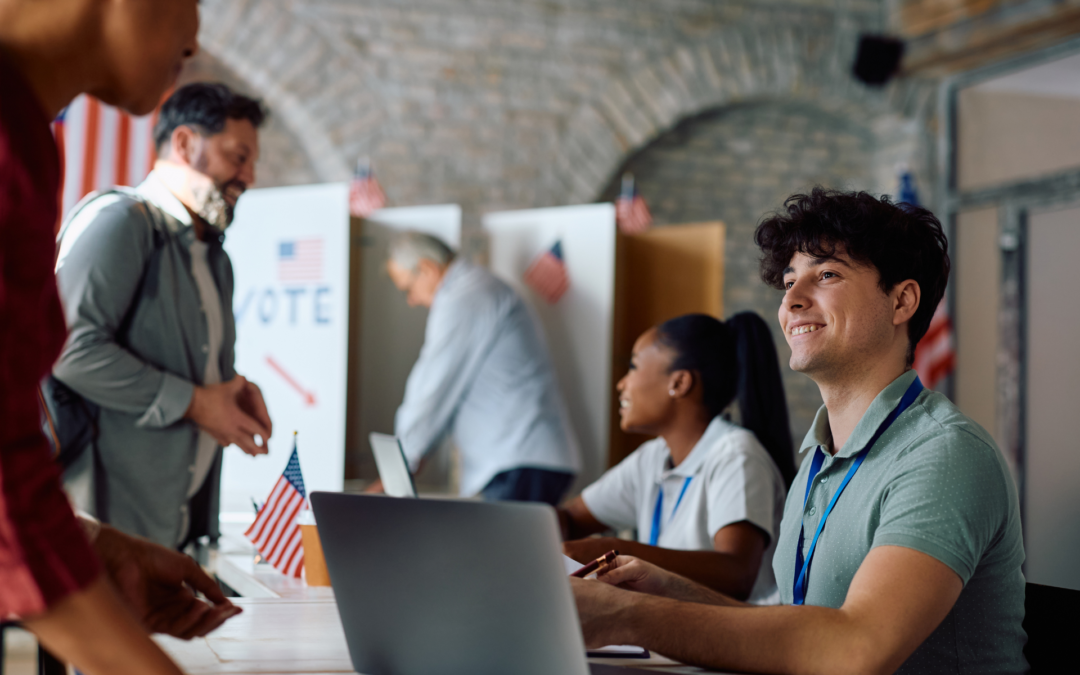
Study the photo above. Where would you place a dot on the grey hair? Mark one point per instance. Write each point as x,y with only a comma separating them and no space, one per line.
407,248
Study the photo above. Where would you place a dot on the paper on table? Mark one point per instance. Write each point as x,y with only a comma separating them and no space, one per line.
572,566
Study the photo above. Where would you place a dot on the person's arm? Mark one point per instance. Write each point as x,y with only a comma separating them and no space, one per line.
456,340
104,252
896,600
92,630
577,521
730,568
161,585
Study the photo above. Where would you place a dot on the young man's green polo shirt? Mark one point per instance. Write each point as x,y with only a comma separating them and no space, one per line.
934,482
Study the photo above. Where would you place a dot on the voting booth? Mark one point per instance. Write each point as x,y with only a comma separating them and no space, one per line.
620,285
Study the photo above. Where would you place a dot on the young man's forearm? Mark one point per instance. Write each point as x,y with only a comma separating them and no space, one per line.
95,632
786,639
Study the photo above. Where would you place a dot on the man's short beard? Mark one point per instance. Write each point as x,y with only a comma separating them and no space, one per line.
211,206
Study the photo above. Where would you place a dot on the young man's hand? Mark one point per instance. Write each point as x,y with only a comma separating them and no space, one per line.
599,606
159,584
637,575
232,412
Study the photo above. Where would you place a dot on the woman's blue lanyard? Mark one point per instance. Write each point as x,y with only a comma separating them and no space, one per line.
802,567
655,536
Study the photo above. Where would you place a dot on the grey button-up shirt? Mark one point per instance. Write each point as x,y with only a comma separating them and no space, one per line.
484,375
137,346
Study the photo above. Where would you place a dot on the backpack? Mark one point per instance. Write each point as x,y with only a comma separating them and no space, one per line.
68,420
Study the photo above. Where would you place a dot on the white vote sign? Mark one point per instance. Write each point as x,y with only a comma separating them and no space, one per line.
290,254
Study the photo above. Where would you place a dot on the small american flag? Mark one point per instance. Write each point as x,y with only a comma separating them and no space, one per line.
366,196
275,532
300,260
935,358
547,274
631,213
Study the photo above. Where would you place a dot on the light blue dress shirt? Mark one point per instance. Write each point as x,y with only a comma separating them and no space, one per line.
484,375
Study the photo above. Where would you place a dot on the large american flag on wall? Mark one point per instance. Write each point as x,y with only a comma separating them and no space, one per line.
101,147
275,532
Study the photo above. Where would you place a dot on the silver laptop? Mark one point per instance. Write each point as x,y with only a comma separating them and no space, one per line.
430,586
393,467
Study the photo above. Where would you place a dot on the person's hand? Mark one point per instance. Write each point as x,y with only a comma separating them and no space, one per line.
375,488
219,410
590,548
251,401
598,607
159,584
637,575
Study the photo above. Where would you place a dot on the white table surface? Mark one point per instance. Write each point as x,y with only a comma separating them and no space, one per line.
288,627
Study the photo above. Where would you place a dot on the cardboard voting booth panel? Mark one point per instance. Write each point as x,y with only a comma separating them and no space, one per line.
387,333
290,255
578,327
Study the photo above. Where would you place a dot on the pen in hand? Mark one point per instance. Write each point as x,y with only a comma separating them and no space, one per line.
596,565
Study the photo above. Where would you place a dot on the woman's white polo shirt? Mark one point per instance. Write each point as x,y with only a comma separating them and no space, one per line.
732,479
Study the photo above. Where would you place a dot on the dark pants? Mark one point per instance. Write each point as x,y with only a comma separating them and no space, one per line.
528,485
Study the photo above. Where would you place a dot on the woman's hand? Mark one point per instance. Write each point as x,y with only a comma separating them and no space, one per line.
589,549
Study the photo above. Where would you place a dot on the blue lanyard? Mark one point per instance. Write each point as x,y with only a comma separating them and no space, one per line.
655,536
803,567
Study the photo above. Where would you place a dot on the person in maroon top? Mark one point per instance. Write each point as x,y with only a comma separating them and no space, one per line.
58,576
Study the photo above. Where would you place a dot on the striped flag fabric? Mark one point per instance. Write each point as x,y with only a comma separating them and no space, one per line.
935,358
300,260
101,147
547,274
275,532
935,355
366,196
631,212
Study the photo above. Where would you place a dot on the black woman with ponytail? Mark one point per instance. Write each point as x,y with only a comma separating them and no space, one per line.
706,496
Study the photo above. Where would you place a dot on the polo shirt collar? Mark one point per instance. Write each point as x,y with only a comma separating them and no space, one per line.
821,434
716,429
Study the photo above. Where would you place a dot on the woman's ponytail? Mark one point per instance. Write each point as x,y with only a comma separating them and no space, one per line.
760,391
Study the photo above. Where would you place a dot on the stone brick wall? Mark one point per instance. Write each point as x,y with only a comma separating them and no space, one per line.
738,164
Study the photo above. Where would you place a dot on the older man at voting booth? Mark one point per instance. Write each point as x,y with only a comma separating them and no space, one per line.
483,375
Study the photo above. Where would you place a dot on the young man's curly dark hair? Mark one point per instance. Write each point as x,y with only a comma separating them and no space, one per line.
901,241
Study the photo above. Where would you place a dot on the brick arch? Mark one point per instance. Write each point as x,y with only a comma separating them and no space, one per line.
735,67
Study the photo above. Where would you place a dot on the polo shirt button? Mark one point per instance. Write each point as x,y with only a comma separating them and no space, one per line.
813,510
824,479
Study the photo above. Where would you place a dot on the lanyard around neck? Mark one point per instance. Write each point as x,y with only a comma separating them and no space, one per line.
654,536
802,567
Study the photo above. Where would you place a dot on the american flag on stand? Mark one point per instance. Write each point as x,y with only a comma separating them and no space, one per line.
101,147
547,274
300,260
275,532
631,213
366,196
935,357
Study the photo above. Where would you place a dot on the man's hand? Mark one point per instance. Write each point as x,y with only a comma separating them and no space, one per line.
590,548
159,584
232,412
375,488
598,607
637,575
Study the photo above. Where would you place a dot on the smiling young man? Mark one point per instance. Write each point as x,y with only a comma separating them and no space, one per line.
900,547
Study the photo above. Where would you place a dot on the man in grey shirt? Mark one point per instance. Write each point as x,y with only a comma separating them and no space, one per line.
483,375
147,293
901,533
